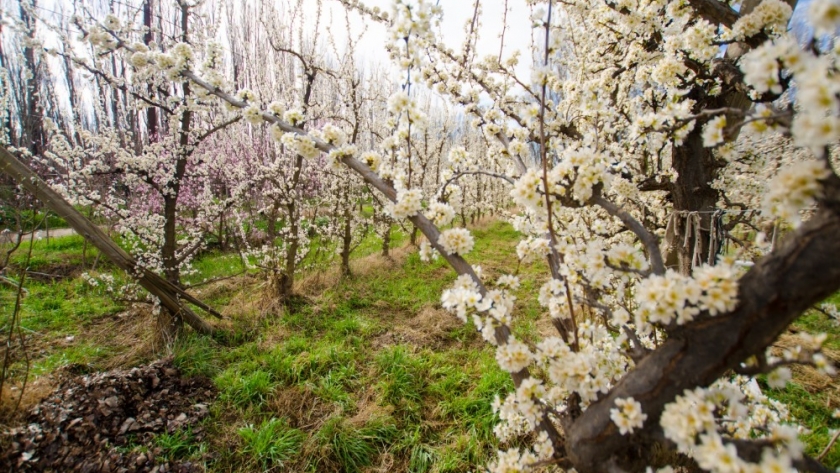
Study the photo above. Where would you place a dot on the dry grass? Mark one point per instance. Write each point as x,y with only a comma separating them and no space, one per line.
303,408
808,377
428,328
368,409
36,390
314,284
130,333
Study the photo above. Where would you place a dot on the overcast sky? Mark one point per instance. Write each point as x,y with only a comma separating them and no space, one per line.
456,14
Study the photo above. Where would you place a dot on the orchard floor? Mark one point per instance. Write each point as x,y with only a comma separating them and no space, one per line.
362,374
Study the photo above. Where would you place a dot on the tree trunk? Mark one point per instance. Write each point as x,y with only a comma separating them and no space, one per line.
286,282
151,112
386,242
346,240
692,192
170,241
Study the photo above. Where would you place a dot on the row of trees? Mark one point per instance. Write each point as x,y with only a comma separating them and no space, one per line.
175,171
635,150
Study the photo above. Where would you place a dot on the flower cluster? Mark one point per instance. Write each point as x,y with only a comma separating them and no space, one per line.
461,297
824,15
440,214
456,241
795,188
301,144
627,415
409,202
372,159
769,15
713,131
677,298
692,423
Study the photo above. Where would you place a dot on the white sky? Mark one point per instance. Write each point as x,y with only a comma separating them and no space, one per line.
452,28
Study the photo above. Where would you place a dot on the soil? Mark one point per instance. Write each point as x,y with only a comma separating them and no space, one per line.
96,423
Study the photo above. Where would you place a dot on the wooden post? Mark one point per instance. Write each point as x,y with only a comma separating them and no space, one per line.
168,294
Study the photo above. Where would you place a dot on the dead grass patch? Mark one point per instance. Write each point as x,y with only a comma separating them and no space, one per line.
808,377
429,328
36,390
368,409
387,462
303,408
131,334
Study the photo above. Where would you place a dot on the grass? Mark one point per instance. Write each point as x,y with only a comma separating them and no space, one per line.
272,444
363,376
812,409
177,445
350,447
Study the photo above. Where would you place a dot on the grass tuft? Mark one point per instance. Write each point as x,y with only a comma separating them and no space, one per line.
272,444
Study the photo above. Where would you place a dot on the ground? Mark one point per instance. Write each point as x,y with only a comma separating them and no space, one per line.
363,374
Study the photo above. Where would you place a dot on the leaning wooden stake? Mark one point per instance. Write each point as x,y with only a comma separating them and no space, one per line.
168,293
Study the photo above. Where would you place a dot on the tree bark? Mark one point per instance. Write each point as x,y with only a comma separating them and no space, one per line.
346,240
780,287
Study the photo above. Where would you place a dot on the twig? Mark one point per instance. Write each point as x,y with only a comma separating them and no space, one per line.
828,447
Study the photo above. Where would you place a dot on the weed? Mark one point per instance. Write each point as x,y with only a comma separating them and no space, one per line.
353,448
196,355
244,389
271,444
402,379
177,445
422,458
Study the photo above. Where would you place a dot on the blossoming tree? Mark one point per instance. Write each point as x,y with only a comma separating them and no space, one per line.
625,122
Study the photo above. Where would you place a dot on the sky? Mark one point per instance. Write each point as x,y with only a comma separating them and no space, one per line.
452,32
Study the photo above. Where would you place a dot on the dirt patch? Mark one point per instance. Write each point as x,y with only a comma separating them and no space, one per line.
91,423
55,272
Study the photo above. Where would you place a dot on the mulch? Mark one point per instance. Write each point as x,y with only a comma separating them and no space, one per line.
97,422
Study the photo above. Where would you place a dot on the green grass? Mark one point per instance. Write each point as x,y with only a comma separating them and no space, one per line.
177,445
82,354
352,447
402,379
812,410
366,394
271,444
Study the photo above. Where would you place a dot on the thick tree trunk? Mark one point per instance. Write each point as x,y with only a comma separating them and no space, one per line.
781,286
692,192
696,166
33,137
